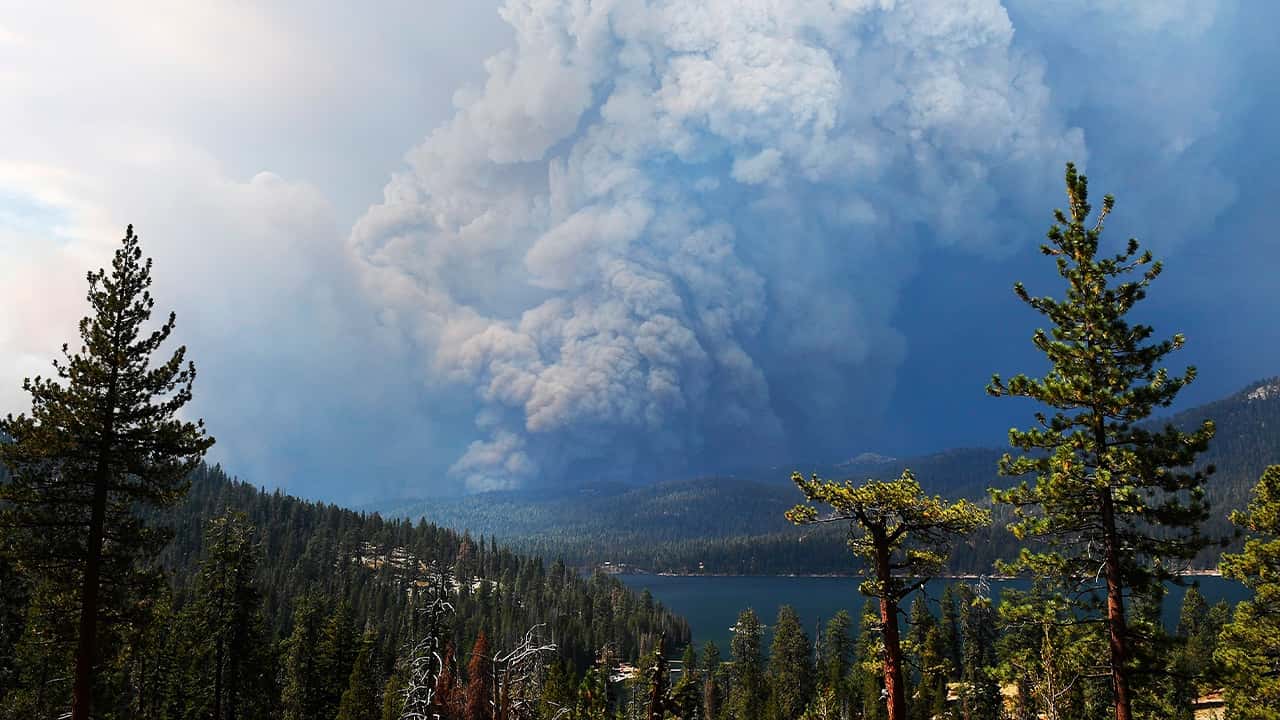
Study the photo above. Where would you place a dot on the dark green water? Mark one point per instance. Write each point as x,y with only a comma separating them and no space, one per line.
711,604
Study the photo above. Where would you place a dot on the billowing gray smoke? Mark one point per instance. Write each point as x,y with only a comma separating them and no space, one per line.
668,231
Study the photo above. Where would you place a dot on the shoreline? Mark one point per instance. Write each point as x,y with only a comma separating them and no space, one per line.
1196,572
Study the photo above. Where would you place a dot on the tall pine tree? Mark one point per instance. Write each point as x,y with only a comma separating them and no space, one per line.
791,672
1109,492
228,609
980,696
836,658
1249,648
306,692
362,699
747,689
903,535
103,439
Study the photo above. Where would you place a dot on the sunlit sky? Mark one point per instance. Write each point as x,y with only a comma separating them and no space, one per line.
434,247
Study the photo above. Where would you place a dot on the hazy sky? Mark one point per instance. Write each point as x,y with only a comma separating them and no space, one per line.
429,247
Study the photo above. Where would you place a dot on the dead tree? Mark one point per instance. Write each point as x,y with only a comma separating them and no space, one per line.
425,660
519,674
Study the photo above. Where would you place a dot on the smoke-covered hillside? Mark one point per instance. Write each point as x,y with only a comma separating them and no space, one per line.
735,524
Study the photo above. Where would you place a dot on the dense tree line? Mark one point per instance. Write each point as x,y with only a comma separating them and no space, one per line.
139,583
279,607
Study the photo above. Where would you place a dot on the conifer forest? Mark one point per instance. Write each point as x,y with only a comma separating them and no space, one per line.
639,360
139,581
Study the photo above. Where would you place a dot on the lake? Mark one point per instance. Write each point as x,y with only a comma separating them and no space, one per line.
711,604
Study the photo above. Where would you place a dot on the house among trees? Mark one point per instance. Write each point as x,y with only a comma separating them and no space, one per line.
1210,706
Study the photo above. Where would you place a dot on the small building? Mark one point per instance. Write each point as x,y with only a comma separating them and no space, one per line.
1209,706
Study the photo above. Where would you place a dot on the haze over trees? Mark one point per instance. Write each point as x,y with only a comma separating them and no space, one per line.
137,582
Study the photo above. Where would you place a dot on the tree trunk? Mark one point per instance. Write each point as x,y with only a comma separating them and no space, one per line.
87,647
1117,631
895,693
217,679
657,693
82,691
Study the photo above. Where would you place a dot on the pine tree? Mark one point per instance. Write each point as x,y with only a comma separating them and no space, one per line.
42,655
687,693
790,673
362,699
479,704
102,441
656,696
393,694
1249,648
925,643
747,689
593,695
339,646
836,658
1108,492
13,603
712,693
981,695
558,694
1198,628
305,694
903,535
448,695
949,626
228,610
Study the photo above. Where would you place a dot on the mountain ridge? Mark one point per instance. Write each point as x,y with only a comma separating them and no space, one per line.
733,524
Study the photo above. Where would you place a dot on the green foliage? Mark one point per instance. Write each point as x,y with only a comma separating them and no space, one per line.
949,631
712,684
232,658
1193,667
362,698
748,691
687,693
1051,657
835,661
102,439
893,521
791,671
868,669
1109,492
339,646
929,658
306,690
1249,649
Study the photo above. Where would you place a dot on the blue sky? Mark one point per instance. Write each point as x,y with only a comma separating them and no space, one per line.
446,247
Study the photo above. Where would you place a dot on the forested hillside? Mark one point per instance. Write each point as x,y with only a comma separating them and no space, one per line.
734,525
335,584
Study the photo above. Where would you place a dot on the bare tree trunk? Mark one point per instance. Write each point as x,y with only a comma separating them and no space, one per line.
895,692
1117,631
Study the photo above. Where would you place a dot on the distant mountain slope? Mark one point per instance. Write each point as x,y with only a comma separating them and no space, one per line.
735,524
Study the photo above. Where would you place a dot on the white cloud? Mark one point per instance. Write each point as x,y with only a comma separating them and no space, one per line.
240,140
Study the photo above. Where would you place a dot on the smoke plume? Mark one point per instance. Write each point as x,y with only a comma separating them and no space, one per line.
662,231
